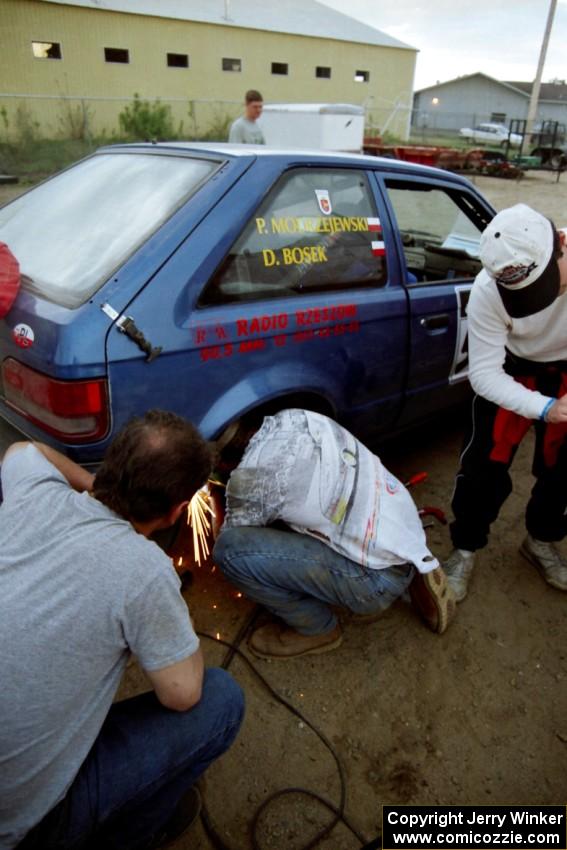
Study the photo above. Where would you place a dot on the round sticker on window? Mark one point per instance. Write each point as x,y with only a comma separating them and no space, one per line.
23,336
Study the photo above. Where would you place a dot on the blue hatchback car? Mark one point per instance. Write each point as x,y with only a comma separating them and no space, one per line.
223,282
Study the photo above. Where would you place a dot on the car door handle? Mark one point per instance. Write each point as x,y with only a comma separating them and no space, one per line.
435,323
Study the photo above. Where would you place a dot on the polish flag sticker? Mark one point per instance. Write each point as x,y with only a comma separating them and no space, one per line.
374,225
378,249
23,336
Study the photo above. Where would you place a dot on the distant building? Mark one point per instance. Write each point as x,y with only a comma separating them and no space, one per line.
99,53
477,98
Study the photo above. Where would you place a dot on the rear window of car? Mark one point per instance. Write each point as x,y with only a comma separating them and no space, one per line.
71,233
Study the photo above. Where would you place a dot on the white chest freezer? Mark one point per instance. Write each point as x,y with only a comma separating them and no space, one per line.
321,126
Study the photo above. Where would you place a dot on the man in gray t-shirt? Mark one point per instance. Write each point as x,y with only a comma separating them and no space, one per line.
245,130
81,588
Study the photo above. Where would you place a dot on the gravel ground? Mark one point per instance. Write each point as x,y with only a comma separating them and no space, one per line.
477,716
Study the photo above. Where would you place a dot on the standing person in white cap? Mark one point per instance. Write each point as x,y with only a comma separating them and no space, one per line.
517,318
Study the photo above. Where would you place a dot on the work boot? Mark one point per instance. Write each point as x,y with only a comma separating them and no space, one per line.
458,568
547,560
434,599
276,640
366,619
184,816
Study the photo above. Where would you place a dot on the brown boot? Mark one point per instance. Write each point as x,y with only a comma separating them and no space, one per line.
278,641
365,619
434,599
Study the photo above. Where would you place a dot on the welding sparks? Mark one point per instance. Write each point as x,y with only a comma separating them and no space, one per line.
238,595
180,562
199,512
218,635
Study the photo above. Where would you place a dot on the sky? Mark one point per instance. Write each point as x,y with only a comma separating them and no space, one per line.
502,38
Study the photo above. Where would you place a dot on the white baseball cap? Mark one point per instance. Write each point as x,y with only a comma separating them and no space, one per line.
516,250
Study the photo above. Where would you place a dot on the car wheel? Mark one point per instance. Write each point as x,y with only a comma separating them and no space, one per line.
235,438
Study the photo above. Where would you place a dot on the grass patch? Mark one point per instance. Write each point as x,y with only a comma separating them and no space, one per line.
40,158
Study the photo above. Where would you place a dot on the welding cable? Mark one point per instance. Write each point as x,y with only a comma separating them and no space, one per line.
338,811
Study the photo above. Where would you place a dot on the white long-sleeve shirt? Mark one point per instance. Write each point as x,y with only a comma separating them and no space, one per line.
541,338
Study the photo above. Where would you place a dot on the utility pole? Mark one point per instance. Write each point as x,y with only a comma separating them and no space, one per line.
532,111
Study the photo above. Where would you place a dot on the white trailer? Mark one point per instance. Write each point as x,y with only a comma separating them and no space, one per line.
319,126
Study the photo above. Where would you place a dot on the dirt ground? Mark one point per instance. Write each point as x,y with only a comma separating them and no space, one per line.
477,716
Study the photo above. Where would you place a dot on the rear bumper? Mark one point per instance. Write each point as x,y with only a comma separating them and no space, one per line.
14,427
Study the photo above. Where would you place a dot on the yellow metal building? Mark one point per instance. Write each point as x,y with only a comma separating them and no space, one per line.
64,62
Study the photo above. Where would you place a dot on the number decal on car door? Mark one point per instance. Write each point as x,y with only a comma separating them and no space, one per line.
460,367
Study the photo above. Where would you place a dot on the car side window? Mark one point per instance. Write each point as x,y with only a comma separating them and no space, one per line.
317,230
440,229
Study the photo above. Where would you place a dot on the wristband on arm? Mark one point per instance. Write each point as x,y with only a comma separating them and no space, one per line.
545,411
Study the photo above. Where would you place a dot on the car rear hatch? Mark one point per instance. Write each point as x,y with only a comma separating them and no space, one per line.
90,236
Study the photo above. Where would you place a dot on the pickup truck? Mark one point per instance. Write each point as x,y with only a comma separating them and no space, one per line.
225,282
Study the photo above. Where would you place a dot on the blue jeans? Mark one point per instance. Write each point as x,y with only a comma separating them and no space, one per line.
144,759
297,577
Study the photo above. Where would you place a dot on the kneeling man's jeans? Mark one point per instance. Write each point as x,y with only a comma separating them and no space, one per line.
143,761
297,577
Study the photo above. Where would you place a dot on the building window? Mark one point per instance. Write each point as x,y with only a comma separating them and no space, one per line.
323,72
361,76
498,117
116,54
232,65
46,49
177,60
280,68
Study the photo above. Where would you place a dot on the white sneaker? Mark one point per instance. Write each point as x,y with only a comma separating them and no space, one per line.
548,561
458,567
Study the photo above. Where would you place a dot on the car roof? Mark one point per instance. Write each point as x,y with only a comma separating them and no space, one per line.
313,155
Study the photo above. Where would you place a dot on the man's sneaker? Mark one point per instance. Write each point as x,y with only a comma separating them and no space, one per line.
458,567
548,561
279,641
433,597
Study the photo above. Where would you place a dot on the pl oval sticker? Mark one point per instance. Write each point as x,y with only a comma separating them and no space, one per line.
23,336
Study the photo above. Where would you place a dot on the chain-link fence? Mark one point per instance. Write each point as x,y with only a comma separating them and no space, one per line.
68,117
434,122
41,134
65,117
431,122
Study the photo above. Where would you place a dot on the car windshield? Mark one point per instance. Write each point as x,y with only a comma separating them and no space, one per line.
72,232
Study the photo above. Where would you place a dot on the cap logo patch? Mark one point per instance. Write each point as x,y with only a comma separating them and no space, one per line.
511,275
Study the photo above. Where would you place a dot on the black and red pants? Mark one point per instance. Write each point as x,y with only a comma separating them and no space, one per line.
483,482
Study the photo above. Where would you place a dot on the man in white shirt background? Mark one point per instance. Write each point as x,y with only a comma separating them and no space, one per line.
517,318
245,130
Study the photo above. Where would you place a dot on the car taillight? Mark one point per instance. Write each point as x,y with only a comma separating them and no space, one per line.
74,411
